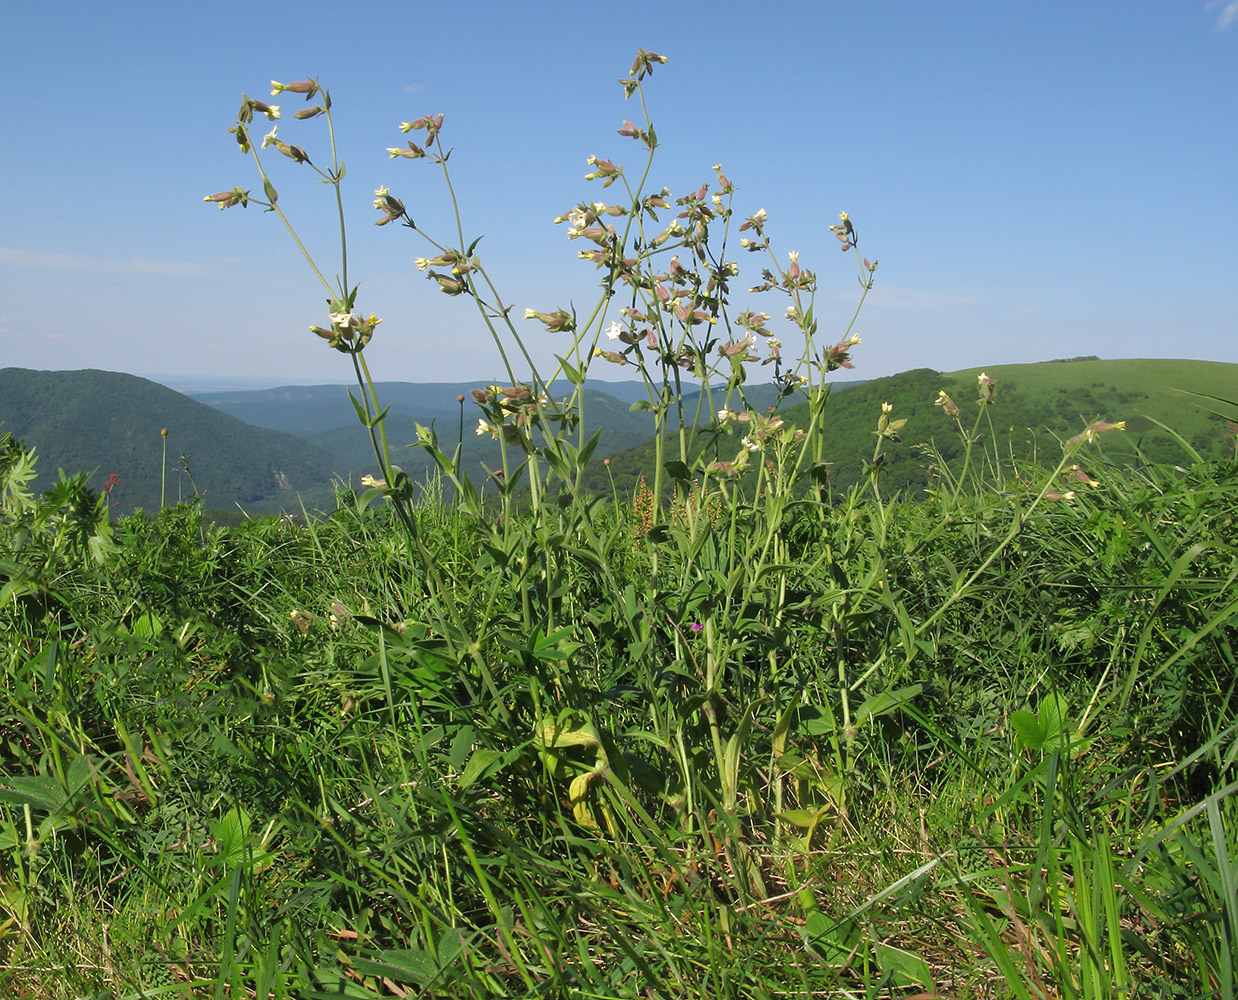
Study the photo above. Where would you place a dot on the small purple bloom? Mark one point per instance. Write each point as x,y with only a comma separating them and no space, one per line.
697,627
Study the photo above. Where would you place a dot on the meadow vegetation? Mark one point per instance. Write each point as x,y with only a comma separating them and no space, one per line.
735,734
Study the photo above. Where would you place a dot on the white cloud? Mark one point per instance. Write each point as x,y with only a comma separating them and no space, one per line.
1228,15
82,262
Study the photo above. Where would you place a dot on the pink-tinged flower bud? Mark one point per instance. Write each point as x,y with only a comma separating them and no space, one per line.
294,153
306,113
447,285
755,221
946,403
307,87
839,355
556,322
414,152
1095,429
1080,476
226,199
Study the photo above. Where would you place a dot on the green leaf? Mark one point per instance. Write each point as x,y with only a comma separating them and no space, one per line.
904,967
483,764
400,965
573,374
886,702
678,471
38,792
590,446
1028,730
147,626
1053,719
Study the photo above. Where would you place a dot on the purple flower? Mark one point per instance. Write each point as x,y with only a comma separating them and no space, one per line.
697,627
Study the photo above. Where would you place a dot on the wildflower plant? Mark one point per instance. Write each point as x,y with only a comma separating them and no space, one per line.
669,271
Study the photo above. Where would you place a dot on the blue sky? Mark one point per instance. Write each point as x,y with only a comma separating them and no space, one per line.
1037,180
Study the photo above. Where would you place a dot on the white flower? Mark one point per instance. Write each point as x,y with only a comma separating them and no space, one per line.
724,415
483,428
271,137
774,343
343,320
613,330
794,255
379,195
530,313
421,263
751,445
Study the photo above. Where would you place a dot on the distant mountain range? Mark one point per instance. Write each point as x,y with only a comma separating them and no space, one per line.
110,423
269,450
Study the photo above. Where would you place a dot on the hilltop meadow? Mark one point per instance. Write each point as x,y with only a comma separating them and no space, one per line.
920,688
978,741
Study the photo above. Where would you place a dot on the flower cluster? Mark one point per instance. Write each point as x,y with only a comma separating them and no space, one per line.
432,125
391,208
509,412
844,232
886,428
349,332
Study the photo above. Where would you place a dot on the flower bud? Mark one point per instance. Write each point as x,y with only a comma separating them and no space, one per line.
946,403
307,87
226,199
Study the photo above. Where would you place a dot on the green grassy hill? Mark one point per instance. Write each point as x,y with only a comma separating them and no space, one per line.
1037,406
107,422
